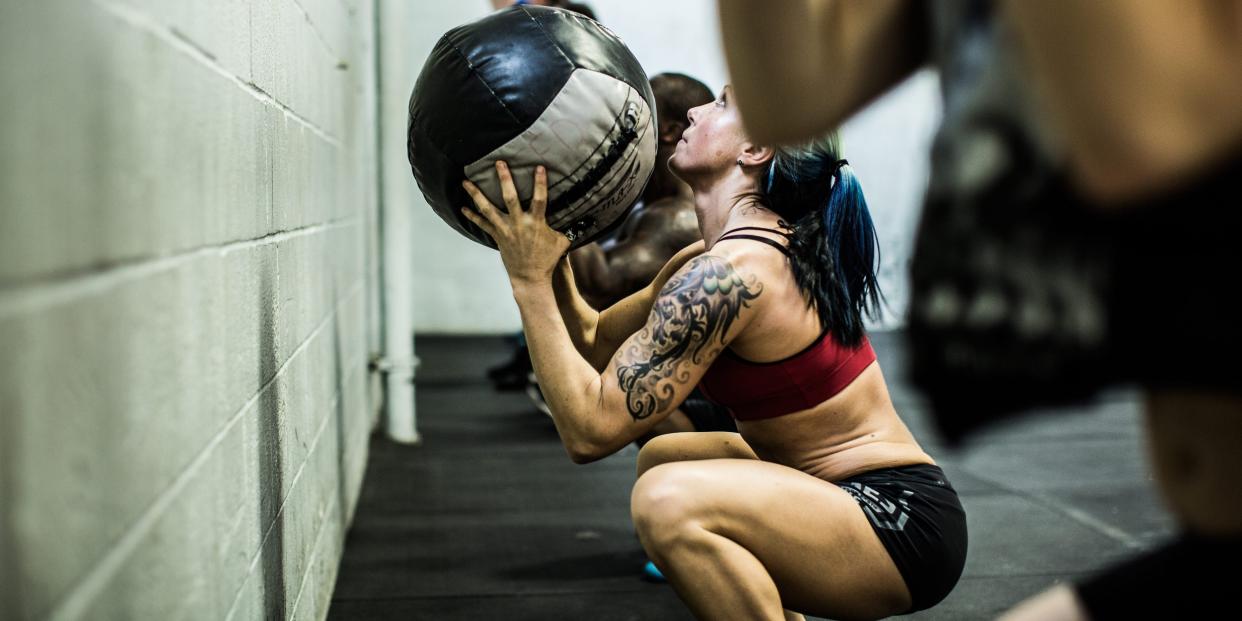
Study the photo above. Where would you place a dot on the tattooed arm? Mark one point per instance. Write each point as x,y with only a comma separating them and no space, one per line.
697,313
597,335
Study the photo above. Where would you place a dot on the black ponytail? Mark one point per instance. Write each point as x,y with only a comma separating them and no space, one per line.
834,249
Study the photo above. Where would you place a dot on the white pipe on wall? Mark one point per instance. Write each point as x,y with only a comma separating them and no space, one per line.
399,362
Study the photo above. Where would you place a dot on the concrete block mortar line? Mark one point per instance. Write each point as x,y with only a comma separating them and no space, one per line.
318,35
254,562
143,22
77,603
1073,513
68,286
333,507
314,555
186,39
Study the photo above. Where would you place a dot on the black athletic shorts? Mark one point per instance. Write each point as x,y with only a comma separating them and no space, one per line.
916,513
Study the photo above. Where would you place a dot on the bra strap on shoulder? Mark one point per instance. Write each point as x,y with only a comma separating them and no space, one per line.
757,238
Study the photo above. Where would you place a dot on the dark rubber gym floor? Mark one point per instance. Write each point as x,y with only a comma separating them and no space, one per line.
488,519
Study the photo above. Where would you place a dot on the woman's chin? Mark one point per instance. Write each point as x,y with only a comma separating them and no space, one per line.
674,168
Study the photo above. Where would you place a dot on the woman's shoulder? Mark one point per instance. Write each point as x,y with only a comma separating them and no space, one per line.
769,279
716,279
714,268
752,260
740,279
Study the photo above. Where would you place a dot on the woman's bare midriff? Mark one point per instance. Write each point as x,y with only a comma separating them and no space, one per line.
856,431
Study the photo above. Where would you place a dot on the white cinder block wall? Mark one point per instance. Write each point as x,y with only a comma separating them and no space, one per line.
187,302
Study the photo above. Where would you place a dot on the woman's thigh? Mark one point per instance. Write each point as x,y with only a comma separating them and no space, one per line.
693,446
810,536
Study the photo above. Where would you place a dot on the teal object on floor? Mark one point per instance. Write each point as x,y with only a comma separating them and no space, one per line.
651,572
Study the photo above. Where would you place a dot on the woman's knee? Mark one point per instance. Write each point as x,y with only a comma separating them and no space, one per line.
665,501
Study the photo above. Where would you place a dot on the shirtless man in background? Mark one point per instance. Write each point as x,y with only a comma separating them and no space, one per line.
661,223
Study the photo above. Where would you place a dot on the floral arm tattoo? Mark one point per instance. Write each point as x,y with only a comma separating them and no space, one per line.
691,316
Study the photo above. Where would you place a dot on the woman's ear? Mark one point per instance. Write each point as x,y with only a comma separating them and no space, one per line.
754,155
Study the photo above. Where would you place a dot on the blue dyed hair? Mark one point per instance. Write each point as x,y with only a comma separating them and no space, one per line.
834,249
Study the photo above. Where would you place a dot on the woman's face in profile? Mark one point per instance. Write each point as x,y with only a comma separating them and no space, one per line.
712,142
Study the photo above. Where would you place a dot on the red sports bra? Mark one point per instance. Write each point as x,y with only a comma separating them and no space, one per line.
758,390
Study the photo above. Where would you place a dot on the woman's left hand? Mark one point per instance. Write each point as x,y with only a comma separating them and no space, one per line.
529,248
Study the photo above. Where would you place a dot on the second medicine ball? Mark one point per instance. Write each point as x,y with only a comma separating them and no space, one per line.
534,85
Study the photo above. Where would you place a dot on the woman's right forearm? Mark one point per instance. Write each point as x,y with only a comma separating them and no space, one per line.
617,322
593,335
580,318
597,335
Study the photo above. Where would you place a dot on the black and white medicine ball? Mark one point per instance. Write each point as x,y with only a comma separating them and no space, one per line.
534,85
